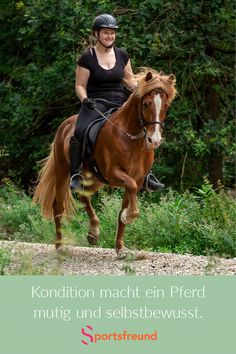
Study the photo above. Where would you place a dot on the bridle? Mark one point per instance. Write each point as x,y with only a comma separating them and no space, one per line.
130,136
142,121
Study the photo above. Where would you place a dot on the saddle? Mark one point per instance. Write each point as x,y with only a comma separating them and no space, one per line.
90,139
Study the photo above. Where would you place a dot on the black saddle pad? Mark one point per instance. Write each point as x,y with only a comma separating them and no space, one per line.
90,138
92,132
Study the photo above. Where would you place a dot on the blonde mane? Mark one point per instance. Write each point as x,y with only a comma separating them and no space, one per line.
157,81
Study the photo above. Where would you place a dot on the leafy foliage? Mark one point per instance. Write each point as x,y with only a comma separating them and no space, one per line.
20,219
41,40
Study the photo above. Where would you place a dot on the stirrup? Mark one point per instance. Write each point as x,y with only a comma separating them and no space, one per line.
152,183
77,182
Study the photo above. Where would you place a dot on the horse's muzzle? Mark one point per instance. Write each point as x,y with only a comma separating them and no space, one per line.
152,143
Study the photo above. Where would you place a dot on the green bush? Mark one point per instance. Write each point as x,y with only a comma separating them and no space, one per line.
202,223
188,223
40,42
20,219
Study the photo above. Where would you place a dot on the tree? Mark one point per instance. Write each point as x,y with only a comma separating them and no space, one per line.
40,41
194,40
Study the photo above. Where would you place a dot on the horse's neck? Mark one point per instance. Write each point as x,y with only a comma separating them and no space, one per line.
131,113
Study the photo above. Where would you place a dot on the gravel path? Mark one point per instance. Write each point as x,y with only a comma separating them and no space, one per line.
34,258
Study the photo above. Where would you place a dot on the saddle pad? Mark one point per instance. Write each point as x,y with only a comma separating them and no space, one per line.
90,138
92,132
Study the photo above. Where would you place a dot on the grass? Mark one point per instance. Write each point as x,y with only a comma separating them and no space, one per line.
5,260
200,223
20,219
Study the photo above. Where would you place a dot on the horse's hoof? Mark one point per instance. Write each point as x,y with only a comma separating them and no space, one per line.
63,251
93,240
123,253
139,256
128,255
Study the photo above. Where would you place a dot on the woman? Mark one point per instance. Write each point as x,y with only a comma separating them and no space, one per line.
99,83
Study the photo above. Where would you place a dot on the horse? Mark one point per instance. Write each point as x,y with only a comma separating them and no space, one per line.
124,153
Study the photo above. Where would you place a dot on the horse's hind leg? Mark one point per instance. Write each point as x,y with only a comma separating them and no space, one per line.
58,205
119,245
57,210
94,231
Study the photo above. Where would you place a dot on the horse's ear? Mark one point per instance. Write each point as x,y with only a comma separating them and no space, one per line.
172,79
149,76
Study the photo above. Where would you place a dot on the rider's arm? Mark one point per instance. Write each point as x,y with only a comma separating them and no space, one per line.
82,76
129,78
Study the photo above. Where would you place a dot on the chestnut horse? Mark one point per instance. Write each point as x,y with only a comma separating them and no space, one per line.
124,153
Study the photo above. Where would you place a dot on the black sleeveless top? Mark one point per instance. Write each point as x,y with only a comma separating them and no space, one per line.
104,83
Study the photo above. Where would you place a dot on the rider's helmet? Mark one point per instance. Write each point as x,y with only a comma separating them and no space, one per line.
104,21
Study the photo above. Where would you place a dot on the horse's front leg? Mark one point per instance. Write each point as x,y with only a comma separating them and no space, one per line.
129,206
129,211
94,231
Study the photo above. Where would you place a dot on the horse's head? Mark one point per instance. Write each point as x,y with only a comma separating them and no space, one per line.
156,92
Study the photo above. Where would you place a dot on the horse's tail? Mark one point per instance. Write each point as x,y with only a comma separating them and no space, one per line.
45,191
46,188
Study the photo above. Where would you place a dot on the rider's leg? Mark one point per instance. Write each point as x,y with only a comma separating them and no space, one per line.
75,155
86,116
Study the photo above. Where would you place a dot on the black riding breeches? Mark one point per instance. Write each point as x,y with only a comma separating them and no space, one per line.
87,116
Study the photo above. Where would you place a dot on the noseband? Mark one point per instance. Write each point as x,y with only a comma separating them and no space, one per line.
143,123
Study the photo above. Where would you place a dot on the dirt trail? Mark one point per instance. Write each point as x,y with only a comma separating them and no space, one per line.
34,258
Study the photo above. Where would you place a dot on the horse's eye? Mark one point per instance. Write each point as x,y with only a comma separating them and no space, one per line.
145,105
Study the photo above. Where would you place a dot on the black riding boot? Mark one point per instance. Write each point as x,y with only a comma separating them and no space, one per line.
75,164
151,183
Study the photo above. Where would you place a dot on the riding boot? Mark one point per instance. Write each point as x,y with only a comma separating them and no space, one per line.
75,164
151,183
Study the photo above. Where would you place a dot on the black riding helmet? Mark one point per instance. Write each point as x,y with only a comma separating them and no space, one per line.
104,21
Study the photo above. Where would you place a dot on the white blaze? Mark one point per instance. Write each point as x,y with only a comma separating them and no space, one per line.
156,136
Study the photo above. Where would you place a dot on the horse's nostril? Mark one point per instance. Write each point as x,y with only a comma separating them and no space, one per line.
149,140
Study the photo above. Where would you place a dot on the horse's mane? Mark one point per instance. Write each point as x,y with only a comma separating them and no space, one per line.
156,80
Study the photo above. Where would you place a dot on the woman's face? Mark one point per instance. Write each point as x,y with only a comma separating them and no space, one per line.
107,36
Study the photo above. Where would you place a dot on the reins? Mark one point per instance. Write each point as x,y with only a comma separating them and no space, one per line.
142,121
130,136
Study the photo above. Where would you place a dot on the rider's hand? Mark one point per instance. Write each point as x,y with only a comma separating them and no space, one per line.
90,104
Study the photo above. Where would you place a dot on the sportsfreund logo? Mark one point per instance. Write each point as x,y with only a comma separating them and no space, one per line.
116,336
87,335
